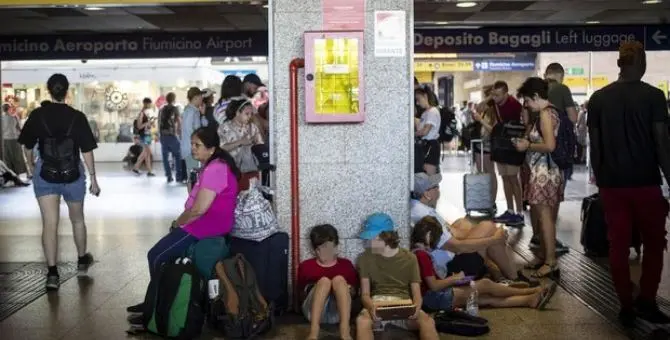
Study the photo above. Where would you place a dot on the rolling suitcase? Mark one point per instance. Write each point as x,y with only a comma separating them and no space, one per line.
477,187
269,259
594,236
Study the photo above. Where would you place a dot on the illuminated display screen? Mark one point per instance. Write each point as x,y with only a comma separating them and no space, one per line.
336,76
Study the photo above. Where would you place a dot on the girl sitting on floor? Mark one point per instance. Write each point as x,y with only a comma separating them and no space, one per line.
447,293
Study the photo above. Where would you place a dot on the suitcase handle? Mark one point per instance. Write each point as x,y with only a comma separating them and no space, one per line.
473,166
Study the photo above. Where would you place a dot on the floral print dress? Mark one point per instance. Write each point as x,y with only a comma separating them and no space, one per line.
545,184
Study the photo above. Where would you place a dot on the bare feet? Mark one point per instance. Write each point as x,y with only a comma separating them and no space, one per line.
313,334
345,332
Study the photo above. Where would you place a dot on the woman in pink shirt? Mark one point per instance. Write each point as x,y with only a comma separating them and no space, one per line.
210,208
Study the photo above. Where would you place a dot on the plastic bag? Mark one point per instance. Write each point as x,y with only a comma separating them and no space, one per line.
254,218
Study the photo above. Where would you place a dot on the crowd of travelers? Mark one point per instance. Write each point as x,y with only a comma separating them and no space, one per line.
453,262
628,150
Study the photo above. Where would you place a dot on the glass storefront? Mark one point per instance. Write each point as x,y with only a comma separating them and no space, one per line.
111,107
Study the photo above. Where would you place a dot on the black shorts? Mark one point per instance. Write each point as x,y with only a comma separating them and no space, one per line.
433,152
471,264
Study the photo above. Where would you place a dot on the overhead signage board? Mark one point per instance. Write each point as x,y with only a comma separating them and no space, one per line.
444,66
657,38
539,39
135,45
502,65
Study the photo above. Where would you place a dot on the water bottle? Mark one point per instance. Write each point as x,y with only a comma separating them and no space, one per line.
472,307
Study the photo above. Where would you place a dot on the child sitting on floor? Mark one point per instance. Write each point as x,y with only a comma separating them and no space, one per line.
389,274
446,293
327,282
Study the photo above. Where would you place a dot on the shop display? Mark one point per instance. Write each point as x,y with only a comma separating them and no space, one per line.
115,100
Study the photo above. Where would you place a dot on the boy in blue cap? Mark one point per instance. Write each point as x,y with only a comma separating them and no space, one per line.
388,273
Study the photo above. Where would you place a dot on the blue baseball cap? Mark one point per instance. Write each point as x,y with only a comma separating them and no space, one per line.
375,224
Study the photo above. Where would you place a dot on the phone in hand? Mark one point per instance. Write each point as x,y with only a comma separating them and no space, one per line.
465,281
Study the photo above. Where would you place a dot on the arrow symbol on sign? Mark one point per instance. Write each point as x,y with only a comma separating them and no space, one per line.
658,36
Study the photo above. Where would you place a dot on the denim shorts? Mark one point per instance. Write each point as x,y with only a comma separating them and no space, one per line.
441,300
145,140
71,192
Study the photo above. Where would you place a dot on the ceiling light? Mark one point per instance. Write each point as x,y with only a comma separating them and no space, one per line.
466,4
266,6
592,22
651,2
442,23
94,8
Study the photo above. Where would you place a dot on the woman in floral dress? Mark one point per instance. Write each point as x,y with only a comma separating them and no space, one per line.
543,191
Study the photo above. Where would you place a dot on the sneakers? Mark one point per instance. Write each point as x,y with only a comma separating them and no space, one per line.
136,309
510,219
53,282
560,247
136,320
83,264
534,242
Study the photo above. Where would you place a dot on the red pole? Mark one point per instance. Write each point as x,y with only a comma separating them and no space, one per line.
294,66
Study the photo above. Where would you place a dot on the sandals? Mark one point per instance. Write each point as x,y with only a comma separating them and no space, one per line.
546,295
553,271
534,265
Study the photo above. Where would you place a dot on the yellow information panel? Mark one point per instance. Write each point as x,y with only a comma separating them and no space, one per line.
576,81
664,87
599,82
444,66
94,2
424,77
336,81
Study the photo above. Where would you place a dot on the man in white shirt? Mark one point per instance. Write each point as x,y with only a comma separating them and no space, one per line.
463,237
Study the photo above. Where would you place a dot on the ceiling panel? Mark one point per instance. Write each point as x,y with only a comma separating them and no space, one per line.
501,6
148,10
491,16
237,16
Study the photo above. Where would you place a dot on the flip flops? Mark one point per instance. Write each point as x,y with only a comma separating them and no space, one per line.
546,295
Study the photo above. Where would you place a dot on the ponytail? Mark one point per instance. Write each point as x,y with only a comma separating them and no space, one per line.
225,157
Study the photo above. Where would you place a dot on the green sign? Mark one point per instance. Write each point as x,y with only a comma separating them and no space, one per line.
575,71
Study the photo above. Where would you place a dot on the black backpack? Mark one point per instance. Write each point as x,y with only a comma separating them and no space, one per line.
460,323
239,311
566,140
60,159
166,121
448,125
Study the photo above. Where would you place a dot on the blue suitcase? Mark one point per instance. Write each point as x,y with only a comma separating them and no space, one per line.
269,259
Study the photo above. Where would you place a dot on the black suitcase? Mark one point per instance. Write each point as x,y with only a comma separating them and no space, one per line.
269,259
594,229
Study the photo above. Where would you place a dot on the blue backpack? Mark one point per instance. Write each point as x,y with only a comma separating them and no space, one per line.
566,140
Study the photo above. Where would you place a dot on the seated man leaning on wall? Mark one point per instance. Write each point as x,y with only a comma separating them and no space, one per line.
464,244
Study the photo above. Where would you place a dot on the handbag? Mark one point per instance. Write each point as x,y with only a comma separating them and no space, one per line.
460,323
246,160
502,149
254,218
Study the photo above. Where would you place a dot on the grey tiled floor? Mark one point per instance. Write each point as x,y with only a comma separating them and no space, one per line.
133,212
